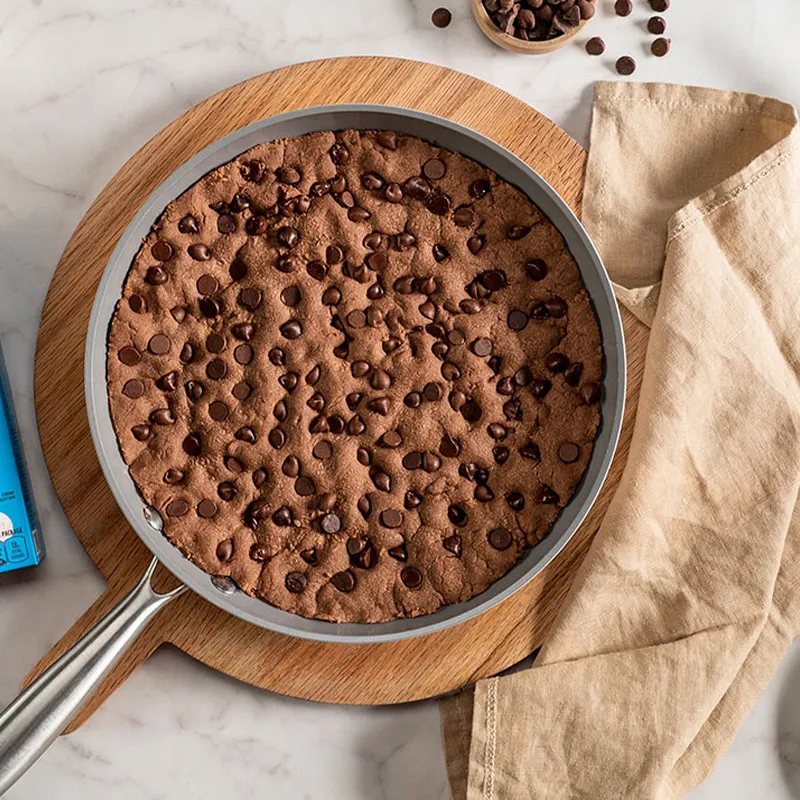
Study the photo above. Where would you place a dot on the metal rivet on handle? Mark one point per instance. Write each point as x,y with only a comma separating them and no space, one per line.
153,518
224,584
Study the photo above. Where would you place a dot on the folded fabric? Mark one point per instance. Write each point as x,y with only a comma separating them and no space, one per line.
688,597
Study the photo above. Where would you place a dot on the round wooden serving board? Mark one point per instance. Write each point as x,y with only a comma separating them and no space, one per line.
364,674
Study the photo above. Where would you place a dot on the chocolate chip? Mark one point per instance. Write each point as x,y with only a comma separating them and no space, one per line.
464,217
209,308
393,193
241,391
194,390
188,224
399,553
216,369
286,263
259,553
129,356
233,464
363,456
439,204
440,253
434,169
456,337
596,46
556,362
141,432
277,357
318,425
358,214
137,304
626,65
482,347
280,411
317,270
339,153
316,401
192,445
356,319
431,462
516,232
411,577
590,393
448,446
322,450
353,400
310,556
450,372
246,434
659,5
226,491
256,225
569,452
547,496
380,380
501,455
134,389
291,329
531,451
250,298
412,499
206,509
330,523
483,494
283,517
344,581
441,17
304,486
226,224
572,374
432,392
517,320
260,478
453,544
471,411
199,252
500,539
512,409
291,466
412,461
495,364
497,431
162,251
156,276
457,515
243,354
660,47
215,343
391,518
295,582
413,400
331,296
475,244
505,386
218,411
657,25
418,188
622,8
276,437
177,508
523,376
356,426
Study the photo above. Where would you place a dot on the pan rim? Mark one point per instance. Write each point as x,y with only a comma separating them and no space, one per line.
408,121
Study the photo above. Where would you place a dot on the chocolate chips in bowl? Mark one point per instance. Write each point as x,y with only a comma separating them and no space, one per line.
532,26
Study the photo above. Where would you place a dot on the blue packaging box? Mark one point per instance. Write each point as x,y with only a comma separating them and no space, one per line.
21,543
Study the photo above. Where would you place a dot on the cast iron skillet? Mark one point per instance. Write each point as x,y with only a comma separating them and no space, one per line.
44,709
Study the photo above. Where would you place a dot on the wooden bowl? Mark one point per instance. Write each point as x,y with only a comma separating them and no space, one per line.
520,45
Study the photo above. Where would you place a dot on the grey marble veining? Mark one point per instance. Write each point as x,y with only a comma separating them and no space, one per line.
83,83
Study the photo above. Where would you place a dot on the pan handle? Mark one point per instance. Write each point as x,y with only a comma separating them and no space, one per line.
44,709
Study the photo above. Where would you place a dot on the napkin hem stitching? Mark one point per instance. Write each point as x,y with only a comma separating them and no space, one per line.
491,738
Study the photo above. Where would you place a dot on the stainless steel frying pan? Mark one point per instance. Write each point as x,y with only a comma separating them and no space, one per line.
44,709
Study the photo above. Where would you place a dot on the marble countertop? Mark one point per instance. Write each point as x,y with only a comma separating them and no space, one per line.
83,83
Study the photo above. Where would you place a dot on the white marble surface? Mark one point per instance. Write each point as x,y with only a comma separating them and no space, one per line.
83,83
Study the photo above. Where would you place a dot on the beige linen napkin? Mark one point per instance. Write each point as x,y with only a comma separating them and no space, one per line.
688,597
